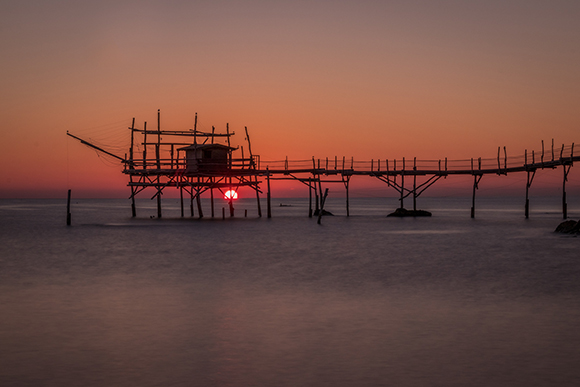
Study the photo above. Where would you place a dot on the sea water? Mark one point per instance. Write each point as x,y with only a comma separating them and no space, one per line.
363,300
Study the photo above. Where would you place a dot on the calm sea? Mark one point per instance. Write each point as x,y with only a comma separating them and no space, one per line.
360,301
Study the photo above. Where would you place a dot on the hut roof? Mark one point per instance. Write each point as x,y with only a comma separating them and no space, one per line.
207,146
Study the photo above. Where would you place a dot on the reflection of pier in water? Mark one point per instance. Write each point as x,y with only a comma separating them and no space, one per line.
195,163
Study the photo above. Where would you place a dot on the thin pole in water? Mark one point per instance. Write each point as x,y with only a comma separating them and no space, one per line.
68,215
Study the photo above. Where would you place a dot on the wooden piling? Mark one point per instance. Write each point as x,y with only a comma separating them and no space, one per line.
211,199
133,207
529,181
199,209
476,179
322,205
473,197
268,198
258,198
158,199
310,197
346,184
68,214
181,200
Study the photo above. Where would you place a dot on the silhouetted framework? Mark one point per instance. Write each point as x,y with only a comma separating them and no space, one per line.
191,161
196,162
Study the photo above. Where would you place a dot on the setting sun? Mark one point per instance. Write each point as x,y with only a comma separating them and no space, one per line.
231,194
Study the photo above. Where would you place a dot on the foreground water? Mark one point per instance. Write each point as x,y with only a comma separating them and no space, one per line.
359,301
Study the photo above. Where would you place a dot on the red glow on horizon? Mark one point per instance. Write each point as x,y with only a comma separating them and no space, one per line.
231,195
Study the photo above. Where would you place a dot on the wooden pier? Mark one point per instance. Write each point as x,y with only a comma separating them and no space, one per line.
195,162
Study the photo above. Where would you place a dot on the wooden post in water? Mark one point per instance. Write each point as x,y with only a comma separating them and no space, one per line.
476,180
133,207
68,215
346,184
473,197
211,198
310,197
191,201
528,185
199,209
320,192
564,203
316,202
322,205
198,200
158,199
181,197
268,198
258,198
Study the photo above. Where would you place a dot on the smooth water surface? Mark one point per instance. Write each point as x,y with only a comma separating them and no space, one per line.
360,301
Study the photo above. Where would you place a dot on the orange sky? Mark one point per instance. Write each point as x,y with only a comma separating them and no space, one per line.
362,79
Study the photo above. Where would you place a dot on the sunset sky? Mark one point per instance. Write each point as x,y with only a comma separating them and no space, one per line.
362,79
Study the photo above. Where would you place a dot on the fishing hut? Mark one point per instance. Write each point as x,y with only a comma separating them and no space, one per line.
192,161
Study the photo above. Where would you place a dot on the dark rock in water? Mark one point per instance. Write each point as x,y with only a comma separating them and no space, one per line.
400,212
324,213
568,227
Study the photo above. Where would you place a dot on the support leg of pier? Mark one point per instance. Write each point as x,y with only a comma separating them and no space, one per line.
564,203
159,204
476,180
258,198
414,192
231,204
199,209
268,198
402,190
191,203
527,207
322,206
68,215
181,201
310,197
212,204
347,198
133,207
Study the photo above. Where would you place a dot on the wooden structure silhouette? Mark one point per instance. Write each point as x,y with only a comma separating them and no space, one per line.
195,162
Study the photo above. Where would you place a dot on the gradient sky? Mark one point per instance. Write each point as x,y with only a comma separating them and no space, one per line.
362,79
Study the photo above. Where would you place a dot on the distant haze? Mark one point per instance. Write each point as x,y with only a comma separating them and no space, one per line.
362,79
